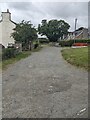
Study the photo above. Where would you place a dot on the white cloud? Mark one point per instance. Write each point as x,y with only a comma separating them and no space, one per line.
36,11
43,0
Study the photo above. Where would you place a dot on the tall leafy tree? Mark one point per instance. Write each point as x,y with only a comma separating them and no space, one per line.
25,33
53,29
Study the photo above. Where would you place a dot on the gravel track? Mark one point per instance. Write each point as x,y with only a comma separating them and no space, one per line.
44,85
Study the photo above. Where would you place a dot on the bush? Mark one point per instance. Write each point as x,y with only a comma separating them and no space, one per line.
36,45
82,41
43,40
69,43
8,53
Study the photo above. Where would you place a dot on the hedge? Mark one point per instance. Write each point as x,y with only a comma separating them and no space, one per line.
66,43
69,43
36,45
8,53
43,40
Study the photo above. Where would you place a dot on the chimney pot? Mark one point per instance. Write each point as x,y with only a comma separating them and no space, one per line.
7,10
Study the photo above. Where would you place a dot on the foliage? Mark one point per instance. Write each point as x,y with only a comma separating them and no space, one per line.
76,56
18,57
37,49
82,41
36,44
24,32
66,43
8,53
69,43
53,29
43,40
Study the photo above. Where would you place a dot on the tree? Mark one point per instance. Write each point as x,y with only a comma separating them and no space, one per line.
53,29
25,33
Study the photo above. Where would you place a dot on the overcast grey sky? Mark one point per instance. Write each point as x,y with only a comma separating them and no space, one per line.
36,11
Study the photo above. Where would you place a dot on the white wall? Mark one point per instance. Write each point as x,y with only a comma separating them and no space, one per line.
6,28
0,32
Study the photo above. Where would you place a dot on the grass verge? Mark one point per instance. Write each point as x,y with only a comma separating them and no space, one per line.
76,56
20,56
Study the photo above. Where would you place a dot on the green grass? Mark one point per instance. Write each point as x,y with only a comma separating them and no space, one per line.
5,63
76,56
20,56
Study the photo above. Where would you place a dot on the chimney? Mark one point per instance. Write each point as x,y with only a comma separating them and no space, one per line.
7,10
6,16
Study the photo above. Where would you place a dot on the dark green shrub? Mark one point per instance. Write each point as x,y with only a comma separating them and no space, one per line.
8,53
67,43
82,41
36,45
43,40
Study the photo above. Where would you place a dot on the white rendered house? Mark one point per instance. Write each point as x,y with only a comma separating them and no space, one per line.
6,28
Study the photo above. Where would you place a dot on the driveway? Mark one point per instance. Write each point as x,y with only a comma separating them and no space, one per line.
44,85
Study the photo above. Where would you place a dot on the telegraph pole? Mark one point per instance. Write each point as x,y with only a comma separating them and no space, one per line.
89,20
75,28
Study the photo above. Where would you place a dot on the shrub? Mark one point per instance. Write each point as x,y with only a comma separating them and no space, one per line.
43,40
66,43
69,43
82,41
36,45
8,53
